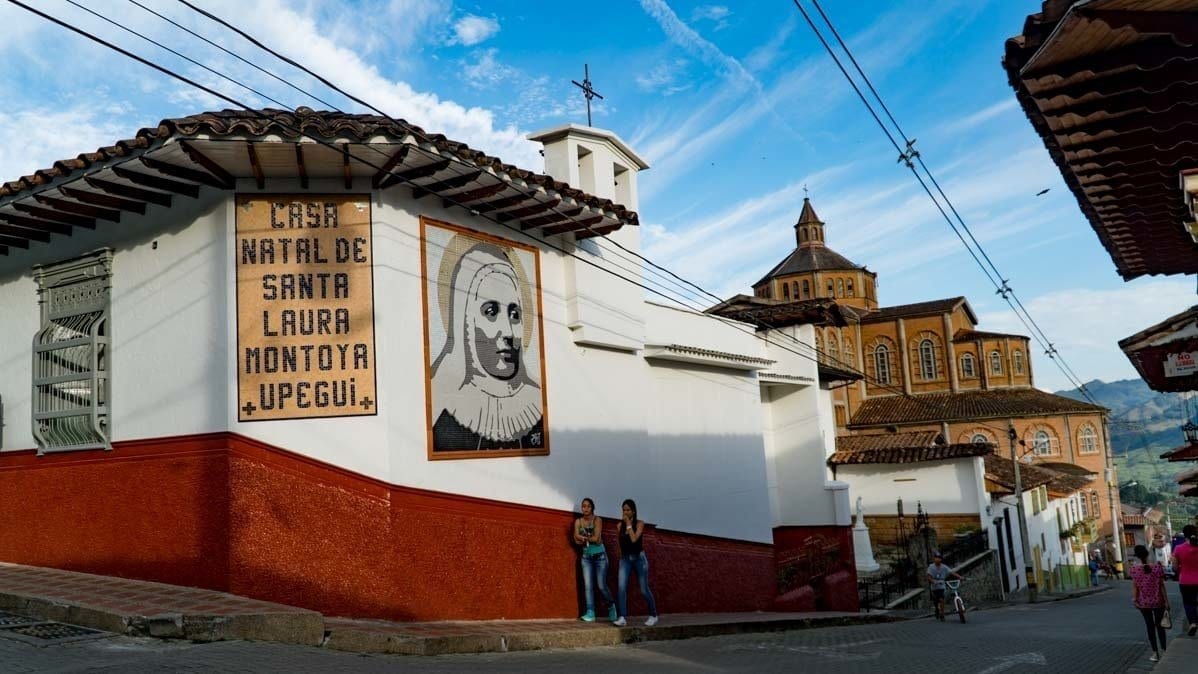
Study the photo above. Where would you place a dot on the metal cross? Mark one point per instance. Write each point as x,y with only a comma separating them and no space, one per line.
587,90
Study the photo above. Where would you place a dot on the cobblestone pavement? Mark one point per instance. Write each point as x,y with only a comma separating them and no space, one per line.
1101,633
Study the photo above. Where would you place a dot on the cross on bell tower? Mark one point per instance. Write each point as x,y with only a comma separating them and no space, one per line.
587,91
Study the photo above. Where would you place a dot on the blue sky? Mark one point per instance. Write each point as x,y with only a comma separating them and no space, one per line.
735,106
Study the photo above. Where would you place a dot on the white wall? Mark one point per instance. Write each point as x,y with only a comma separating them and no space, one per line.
942,487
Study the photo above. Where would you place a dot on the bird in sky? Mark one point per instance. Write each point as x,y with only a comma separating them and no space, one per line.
1043,191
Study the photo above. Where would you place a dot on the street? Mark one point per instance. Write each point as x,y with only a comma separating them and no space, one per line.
1101,633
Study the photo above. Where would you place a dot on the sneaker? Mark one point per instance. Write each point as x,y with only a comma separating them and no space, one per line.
619,622
1193,629
1155,657
611,614
651,621
588,617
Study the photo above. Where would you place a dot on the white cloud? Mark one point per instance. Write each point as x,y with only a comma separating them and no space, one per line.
471,30
486,72
717,14
34,138
979,117
663,78
685,37
1086,325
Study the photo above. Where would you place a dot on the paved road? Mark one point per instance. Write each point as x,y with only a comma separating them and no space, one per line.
1101,633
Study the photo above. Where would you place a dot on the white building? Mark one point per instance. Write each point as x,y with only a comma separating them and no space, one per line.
232,380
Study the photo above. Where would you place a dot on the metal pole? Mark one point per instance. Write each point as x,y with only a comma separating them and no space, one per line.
1116,512
1029,573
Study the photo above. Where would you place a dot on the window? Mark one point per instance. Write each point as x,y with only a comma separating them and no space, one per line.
967,369
927,360
71,354
806,290
796,289
833,349
1042,443
840,287
995,362
1085,511
979,439
785,291
831,288
1017,357
1088,439
882,364
849,288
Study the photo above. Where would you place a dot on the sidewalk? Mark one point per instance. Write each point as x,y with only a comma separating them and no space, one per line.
140,608
1179,657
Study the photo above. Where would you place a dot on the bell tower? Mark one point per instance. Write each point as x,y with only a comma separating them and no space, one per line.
809,230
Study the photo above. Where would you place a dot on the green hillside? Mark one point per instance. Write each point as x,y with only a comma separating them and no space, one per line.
1144,425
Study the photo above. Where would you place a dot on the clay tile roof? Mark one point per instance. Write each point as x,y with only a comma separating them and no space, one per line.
814,258
294,125
973,335
918,309
913,447
964,406
768,313
1001,471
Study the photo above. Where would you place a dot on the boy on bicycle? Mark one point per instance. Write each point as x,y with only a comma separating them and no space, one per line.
938,572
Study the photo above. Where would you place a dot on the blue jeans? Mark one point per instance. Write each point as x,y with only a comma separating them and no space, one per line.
641,562
595,567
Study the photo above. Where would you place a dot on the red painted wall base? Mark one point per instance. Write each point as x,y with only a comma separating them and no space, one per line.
816,569
224,512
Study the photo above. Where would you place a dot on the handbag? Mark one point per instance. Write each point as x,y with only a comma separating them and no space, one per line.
1167,619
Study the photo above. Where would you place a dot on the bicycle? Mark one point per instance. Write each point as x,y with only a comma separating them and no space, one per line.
958,602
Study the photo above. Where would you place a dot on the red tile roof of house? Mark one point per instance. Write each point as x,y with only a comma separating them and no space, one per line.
930,307
964,335
964,406
914,447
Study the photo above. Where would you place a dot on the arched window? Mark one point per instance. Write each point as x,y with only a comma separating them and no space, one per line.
979,439
833,348
882,364
927,360
840,287
802,234
806,290
847,351
995,362
785,291
831,288
967,368
795,287
1017,357
819,347
1088,439
1042,443
849,288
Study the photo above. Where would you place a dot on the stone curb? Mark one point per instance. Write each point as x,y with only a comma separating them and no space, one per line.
292,627
365,640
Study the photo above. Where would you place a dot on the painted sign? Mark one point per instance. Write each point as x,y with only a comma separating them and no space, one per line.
485,370
305,307
1181,364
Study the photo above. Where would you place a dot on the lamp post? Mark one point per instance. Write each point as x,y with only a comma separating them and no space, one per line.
1116,512
1029,574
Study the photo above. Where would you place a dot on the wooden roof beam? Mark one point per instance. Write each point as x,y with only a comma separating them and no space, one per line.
425,171
36,225
79,209
50,214
17,232
184,173
346,172
521,213
385,171
14,242
158,183
473,195
575,225
453,183
551,219
499,204
3,250
106,200
129,192
299,164
597,231
211,166
255,165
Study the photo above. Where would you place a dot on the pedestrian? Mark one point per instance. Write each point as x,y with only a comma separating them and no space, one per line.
588,534
1185,562
938,572
632,556
1094,568
1148,595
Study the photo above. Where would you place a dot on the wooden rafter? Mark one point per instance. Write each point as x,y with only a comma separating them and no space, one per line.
453,183
256,166
51,214
158,183
13,241
506,202
129,192
597,231
209,165
37,225
108,214
520,213
415,173
183,173
17,232
392,161
551,219
105,200
299,163
574,225
345,169
3,250
475,194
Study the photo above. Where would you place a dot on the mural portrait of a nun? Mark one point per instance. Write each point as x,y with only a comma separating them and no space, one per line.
485,372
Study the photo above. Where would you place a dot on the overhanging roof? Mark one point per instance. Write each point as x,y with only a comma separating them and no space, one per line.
212,150
1111,86
1163,354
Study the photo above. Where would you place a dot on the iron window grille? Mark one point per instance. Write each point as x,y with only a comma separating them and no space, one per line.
72,354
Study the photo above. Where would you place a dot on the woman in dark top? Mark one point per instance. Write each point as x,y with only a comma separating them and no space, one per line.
632,555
